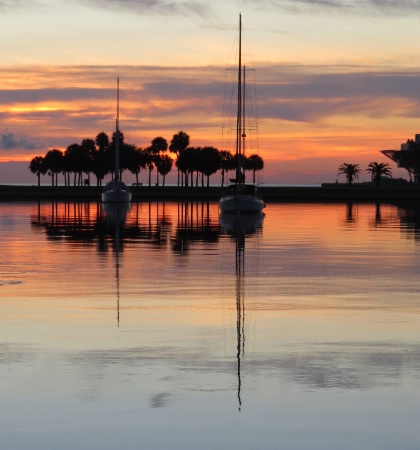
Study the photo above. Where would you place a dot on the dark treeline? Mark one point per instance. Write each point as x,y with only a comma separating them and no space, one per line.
97,158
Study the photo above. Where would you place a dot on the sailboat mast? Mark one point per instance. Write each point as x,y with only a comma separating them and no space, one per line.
243,132
239,112
117,134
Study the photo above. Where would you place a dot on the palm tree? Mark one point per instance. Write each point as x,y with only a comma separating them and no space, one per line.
37,167
102,161
179,143
379,170
164,166
148,155
88,151
351,171
254,163
126,150
158,146
73,158
209,162
136,161
102,141
101,165
187,163
54,162
226,163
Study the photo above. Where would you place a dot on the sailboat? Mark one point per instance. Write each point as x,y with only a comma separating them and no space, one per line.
116,191
240,197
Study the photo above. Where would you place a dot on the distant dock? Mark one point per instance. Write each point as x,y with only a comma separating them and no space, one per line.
333,192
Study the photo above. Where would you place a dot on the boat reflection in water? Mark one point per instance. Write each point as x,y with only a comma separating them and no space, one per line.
116,214
238,226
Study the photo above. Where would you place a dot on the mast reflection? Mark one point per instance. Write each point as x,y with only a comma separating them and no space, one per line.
238,226
116,214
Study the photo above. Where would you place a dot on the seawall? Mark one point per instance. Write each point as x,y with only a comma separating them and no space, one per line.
334,192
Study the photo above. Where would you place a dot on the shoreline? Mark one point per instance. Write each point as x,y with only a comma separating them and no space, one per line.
328,192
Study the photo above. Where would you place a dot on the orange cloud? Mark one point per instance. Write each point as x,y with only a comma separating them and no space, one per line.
305,113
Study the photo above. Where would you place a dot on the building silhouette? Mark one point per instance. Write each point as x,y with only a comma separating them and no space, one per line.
408,157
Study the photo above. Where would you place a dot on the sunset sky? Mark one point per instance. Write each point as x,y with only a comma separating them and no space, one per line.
336,81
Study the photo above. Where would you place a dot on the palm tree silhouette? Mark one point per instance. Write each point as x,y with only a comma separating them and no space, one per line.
54,162
73,158
136,161
158,145
164,166
379,170
38,167
179,143
351,171
226,163
254,163
209,162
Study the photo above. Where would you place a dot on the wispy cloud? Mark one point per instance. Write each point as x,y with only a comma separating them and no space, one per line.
399,7
8,141
297,93
51,94
10,5
304,95
159,7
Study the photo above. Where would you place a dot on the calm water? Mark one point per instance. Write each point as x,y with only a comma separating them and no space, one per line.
167,327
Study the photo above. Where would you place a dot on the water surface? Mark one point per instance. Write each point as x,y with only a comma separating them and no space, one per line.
167,326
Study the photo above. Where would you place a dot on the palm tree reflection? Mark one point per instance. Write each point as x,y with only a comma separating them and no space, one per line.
350,217
195,223
238,226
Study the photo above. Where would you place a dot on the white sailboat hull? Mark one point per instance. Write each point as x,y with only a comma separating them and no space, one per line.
241,223
116,192
241,203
